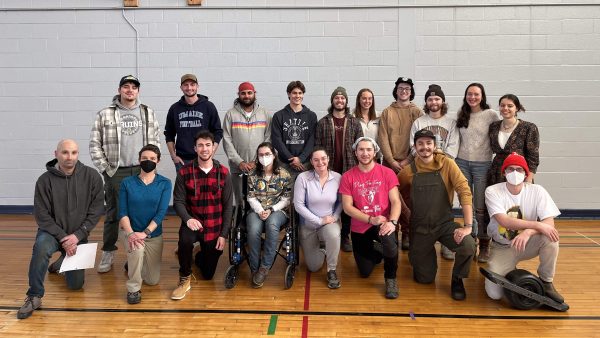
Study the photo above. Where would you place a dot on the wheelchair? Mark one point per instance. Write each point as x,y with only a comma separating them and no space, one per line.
288,248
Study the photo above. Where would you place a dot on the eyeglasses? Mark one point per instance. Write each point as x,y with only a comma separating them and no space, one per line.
518,169
404,89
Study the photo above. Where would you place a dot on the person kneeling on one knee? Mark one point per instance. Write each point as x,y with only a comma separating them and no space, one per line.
370,196
68,202
431,181
514,207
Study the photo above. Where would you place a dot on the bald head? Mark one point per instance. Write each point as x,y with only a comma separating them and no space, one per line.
67,154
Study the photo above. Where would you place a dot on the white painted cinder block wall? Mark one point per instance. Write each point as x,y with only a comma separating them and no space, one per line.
60,62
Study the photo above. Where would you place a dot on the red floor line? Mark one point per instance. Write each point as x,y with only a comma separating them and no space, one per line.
306,305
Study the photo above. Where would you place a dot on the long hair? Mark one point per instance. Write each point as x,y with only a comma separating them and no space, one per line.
444,109
357,108
464,114
260,170
515,100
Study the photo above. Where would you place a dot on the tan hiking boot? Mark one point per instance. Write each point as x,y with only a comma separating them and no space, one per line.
185,284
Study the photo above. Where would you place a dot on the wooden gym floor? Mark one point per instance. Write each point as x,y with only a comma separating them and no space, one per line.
308,309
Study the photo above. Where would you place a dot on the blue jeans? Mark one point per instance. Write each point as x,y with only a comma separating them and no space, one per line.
254,227
476,173
45,245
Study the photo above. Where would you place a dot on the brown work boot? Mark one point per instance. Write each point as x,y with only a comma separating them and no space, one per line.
484,251
551,292
185,284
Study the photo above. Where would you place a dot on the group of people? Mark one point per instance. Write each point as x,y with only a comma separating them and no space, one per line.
360,182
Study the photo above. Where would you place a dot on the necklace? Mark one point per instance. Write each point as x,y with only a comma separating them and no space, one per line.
505,128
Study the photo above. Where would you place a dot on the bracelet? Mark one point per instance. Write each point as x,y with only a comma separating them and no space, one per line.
129,234
468,225
369,220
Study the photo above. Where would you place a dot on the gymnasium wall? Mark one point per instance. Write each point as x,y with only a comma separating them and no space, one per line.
61,60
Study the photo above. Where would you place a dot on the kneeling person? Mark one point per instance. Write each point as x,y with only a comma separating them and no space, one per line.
515,207
431,181
370,196
68,203
203,199
143,203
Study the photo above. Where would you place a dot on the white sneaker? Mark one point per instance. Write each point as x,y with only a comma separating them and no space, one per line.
447,254
106,261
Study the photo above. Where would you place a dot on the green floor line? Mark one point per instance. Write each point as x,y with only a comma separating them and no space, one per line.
272,325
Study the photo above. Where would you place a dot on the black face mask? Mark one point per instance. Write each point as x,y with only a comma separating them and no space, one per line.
148,166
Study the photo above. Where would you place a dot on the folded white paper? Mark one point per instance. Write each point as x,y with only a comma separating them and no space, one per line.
84,258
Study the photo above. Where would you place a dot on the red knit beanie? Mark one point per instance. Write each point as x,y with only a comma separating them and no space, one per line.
516,159
246,86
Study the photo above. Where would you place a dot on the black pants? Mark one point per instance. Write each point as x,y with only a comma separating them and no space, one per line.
345,232
206,260
367,257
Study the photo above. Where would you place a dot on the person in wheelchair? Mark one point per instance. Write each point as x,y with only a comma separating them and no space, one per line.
319,205
268,196
515,207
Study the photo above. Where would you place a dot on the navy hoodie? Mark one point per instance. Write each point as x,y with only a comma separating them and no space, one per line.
65,205
184,121
293,134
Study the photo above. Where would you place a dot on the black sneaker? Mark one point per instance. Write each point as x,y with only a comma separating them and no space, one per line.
134,297
332,280
405,242
31,303
346,245
457,289
55,267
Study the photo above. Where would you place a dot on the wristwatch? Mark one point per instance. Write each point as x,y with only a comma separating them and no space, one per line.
147,232
394,222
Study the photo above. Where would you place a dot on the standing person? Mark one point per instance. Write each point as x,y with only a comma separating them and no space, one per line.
269,195
431,180
245,126
293,131
67,205
394,132
364,111
143,203
188,116
336,132
438,122
119,131
522,226
319,205
370,196
203,199
475,157
443,127
513,135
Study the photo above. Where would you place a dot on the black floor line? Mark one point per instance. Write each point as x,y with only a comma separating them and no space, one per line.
313,313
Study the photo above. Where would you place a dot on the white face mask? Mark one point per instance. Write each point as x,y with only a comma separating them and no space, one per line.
515,178
266,160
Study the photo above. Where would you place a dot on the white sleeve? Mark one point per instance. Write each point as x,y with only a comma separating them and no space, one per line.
493,201
545,205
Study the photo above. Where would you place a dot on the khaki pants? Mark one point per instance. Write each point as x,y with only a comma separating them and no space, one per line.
504,259
313,255
143,264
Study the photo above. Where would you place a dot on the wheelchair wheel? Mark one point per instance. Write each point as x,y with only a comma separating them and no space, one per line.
290,273
528,281
231,276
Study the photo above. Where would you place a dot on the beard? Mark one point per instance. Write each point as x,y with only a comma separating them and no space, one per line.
247,102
